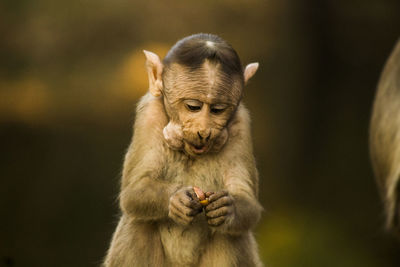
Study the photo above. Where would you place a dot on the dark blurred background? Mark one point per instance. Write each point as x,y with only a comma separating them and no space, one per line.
72,71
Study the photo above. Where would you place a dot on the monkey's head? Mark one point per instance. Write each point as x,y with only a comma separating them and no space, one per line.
201,82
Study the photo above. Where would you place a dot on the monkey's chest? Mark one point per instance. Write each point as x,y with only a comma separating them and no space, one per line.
182,245
206,173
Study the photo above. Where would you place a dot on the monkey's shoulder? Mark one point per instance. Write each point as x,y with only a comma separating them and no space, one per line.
240,124
150,116
150,108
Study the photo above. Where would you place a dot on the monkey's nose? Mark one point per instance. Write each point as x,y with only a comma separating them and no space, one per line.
204,135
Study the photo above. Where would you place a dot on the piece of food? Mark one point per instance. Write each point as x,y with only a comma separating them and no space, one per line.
199,193
204,202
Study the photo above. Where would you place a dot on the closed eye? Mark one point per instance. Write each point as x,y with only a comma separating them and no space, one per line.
193,108
217,110
193,105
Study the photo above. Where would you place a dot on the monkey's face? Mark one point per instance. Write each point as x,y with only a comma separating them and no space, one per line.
200,104
202,123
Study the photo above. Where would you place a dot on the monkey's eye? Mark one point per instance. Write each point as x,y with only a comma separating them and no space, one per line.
193,105
193,108
217,109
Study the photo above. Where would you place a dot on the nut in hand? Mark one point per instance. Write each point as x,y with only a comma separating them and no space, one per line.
204,202
200,194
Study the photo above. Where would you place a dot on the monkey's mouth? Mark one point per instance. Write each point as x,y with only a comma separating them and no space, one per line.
198,149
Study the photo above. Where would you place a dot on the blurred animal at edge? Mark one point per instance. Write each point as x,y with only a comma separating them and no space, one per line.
385,139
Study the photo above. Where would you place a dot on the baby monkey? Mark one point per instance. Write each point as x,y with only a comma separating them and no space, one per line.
191,133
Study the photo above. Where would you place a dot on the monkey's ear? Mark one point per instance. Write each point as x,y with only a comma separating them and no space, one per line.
154,71
249,71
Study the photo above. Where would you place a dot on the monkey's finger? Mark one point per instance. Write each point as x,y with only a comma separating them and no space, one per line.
218,195
185,199
219,212
175,213
208,194
190,202
191,193
176,217
179,220
216,221
221,202
183,209
196,205
174,210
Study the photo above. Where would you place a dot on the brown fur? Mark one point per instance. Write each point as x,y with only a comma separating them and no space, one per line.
162,222
385,138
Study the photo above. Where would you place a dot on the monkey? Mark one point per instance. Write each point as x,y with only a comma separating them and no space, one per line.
191,131
384,139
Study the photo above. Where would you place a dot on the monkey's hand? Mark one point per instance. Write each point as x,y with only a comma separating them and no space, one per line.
183,206
220,209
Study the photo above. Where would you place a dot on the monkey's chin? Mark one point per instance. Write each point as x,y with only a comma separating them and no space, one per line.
194,150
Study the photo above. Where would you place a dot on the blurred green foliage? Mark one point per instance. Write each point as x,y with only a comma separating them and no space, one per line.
72,71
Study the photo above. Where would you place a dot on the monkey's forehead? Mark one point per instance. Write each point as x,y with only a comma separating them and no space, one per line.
206,97
207,84
224,94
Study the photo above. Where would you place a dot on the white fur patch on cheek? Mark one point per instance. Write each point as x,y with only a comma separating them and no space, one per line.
173,135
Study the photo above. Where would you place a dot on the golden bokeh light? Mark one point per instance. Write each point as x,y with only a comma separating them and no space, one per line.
131,79
27,99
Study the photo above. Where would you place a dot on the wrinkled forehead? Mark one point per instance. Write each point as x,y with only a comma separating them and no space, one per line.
208,84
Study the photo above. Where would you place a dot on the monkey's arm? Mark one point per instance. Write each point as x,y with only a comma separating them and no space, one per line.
147,197
145,194
232,213
236,209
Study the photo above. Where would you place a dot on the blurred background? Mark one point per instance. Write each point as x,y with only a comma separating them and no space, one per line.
72,71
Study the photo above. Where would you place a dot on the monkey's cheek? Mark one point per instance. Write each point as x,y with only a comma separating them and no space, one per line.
173,143
220,141
173,136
